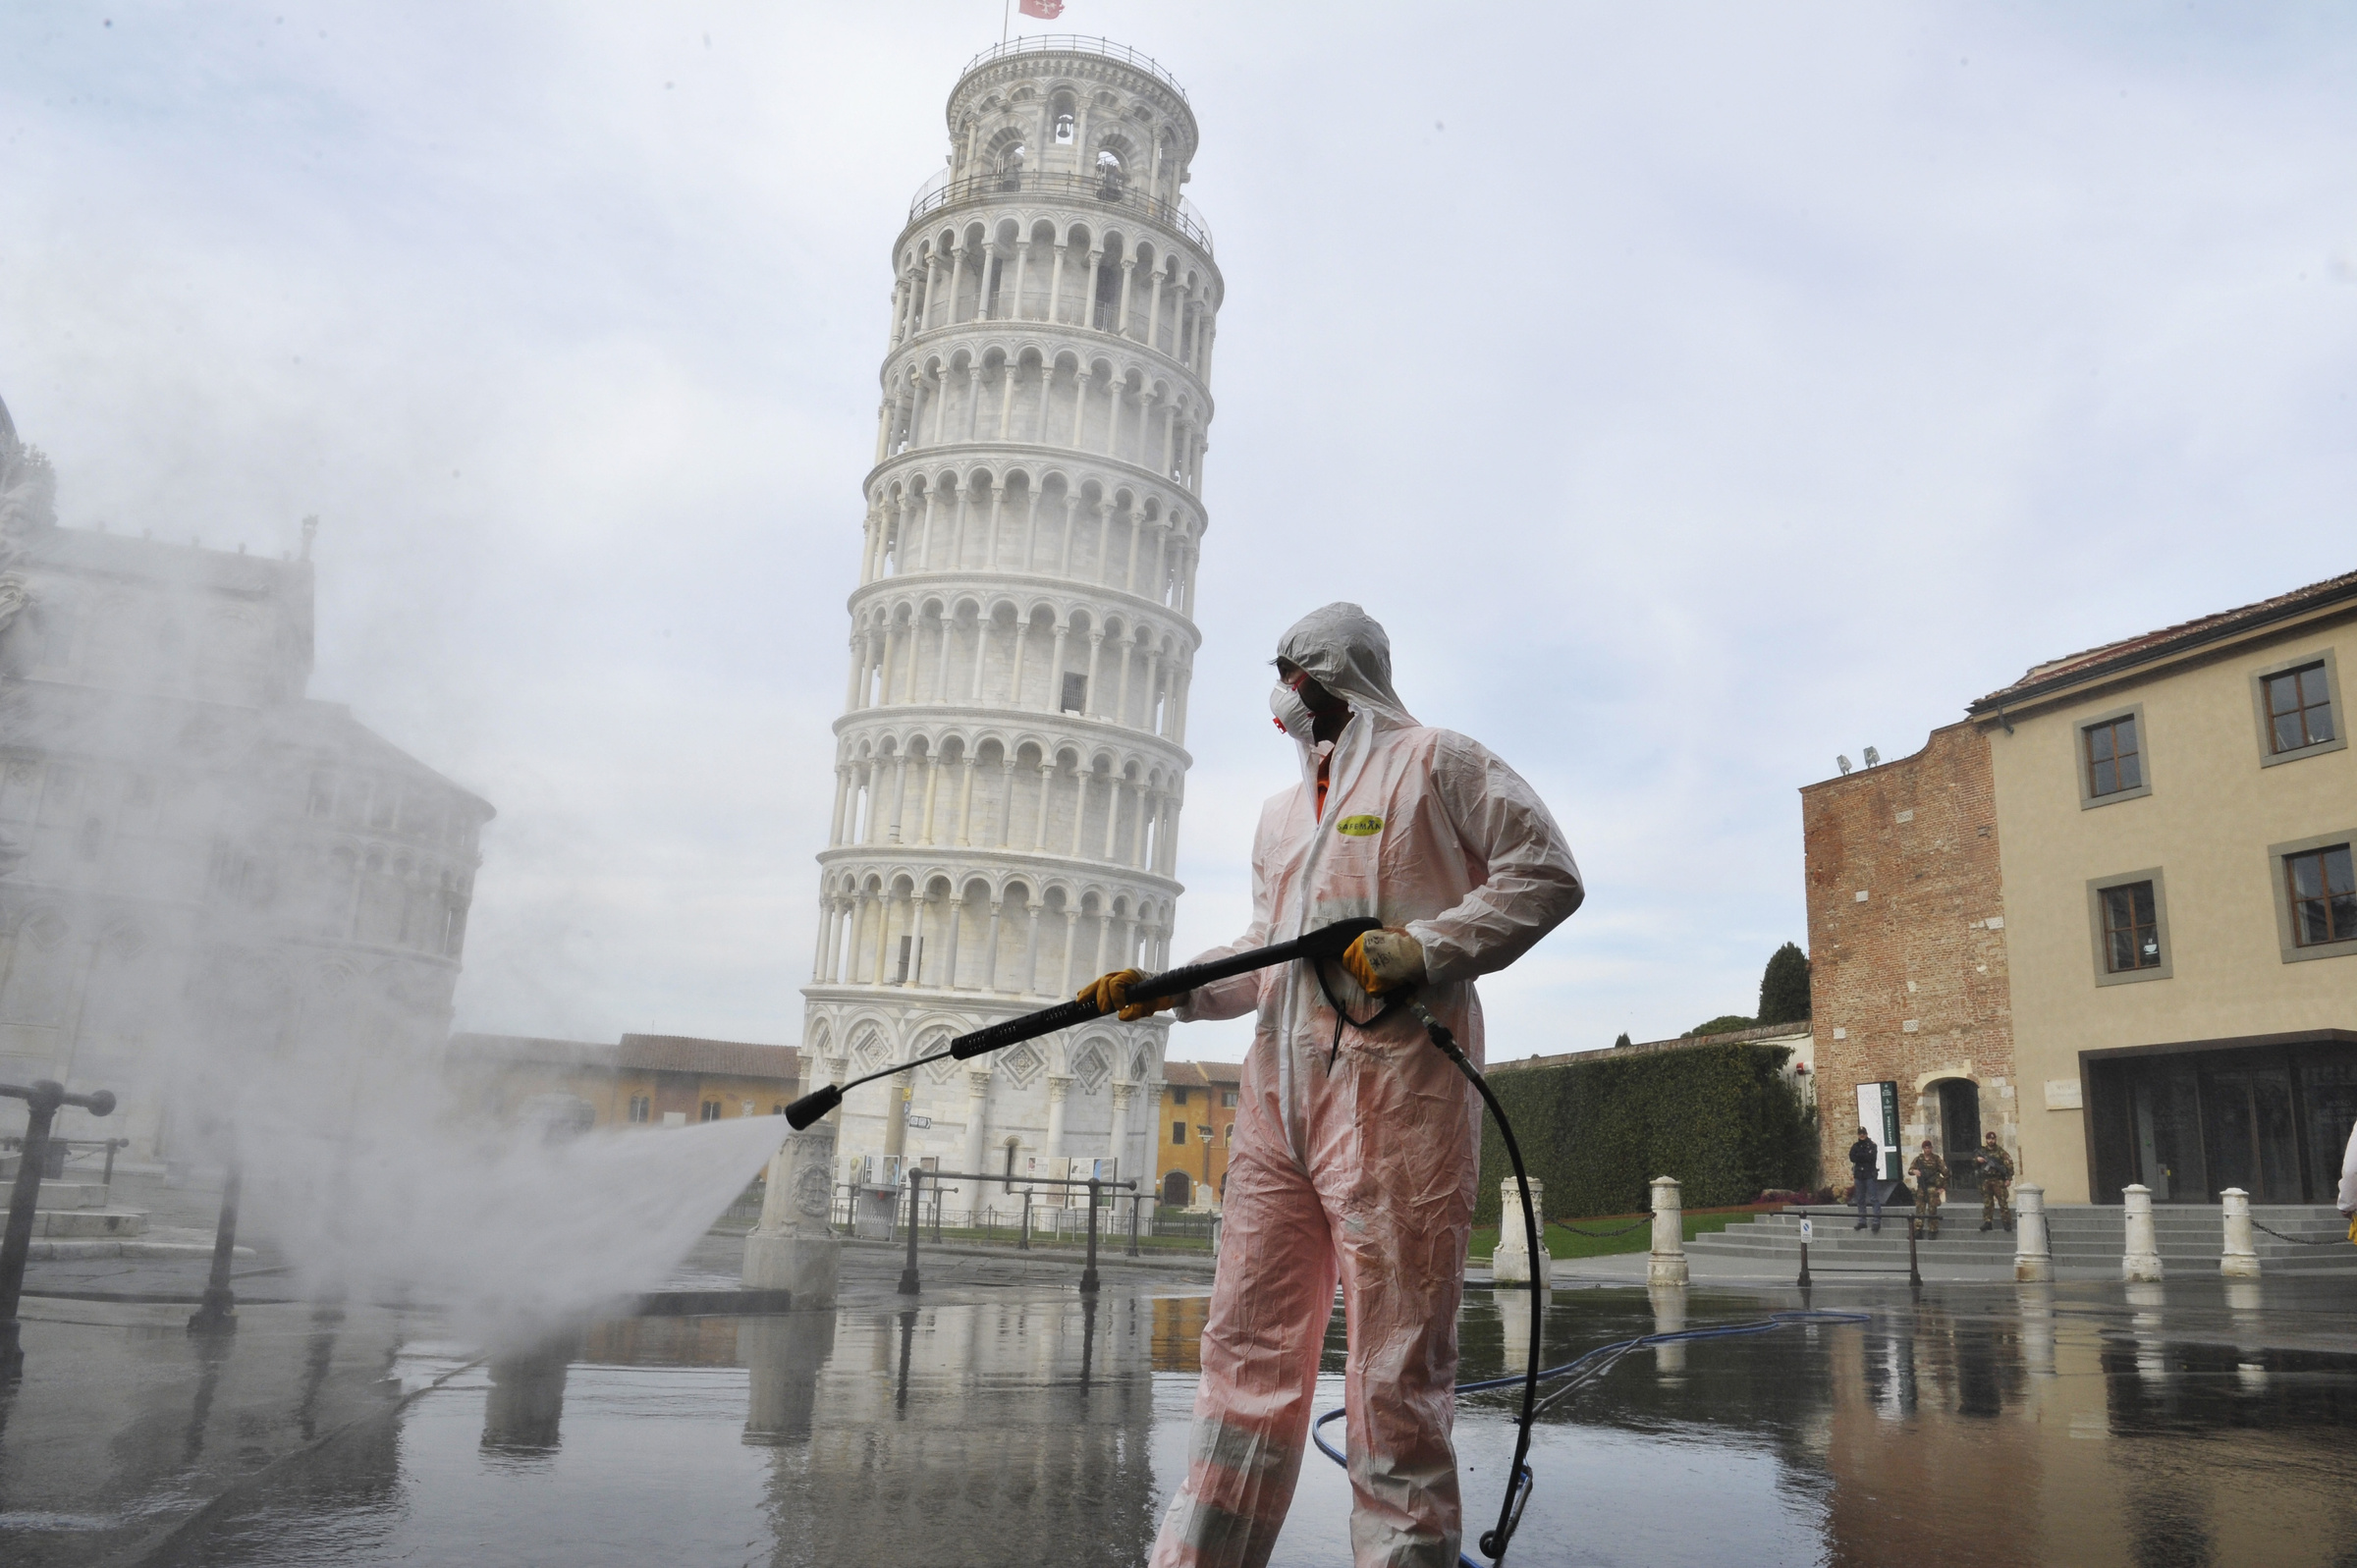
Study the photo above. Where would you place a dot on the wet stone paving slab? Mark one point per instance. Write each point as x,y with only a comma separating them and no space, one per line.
998,1418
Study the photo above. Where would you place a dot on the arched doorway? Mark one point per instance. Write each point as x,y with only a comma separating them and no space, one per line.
1960,1132
1176,1190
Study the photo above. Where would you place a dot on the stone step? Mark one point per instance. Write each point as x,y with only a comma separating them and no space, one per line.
84,1248
71,1195
118,1224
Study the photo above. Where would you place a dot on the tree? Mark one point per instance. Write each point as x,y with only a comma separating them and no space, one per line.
1623,1042
1724,1024
1785,987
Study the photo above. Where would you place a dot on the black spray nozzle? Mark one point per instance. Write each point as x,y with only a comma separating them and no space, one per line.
1325,942
812,1105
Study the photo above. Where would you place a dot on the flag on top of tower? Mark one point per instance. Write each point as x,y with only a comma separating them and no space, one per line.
1045,9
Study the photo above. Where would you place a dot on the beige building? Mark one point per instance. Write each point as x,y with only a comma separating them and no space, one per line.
2174,817
2110,917
1195,1132
644,1080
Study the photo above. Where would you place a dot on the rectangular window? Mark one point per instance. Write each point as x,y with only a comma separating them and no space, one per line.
2127,920
2113,763
2299,708
1179,1132
711,1110
1076,694
1228,1098
643,1109
1178,1096
2324,896
2131,929
908,952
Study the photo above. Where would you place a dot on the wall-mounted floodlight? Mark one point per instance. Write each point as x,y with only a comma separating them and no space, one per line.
1843,763
1873,757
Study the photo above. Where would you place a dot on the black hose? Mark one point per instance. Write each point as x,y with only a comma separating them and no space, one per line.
1495,1541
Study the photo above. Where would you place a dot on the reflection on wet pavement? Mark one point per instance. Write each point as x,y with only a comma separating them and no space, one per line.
2188,1424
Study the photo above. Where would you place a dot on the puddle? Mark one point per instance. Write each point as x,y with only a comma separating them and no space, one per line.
1979,1426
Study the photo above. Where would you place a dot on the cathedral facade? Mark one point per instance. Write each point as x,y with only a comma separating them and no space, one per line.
1010,761
206,877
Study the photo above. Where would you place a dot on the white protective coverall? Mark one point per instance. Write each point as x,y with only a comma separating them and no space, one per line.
1366,1166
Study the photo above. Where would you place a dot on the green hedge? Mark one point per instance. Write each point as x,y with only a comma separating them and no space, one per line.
1723,1119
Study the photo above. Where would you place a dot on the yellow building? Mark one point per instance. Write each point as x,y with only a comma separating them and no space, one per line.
1195,1132
646,1080
2176,816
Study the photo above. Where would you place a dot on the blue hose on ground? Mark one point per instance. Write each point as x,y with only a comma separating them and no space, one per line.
1596,1363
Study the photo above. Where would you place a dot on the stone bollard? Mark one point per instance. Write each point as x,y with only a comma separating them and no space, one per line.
2141,1261
2238,1260
1667,1265
794,1247
1509,1265
2033,1254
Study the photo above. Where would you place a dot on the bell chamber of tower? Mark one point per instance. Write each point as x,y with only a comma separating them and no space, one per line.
1010,760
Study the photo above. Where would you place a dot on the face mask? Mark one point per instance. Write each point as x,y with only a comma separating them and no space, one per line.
1292,714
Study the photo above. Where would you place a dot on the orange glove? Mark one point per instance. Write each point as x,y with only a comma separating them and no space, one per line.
1385,961
1110,993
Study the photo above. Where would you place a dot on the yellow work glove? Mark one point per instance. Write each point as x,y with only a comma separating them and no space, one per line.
1385,961
1110,993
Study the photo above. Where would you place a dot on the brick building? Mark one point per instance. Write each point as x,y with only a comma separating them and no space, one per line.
2105,915
1907,978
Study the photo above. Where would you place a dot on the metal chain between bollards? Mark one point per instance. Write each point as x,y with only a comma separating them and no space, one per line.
2305,1241
1604,1235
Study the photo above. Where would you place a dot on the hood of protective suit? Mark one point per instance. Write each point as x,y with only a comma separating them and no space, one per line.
1348,653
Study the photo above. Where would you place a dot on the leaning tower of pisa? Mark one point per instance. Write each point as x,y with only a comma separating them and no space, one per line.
1011,758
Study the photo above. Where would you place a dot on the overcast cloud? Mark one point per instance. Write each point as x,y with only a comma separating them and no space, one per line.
1695,391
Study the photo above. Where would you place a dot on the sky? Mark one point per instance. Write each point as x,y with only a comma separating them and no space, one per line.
1695,392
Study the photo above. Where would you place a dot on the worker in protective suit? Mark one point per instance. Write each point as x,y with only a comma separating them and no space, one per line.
1356,1148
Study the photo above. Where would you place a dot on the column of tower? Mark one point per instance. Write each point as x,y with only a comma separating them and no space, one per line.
1010,761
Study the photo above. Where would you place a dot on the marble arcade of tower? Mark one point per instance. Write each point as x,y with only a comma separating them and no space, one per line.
1010,760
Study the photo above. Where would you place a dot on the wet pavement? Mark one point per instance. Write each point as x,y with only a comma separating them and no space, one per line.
999,1419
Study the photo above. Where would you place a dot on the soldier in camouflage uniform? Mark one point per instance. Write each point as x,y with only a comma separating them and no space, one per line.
1997,1184
1931,1190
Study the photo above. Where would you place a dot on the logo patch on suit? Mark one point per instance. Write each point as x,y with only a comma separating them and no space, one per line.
1359,827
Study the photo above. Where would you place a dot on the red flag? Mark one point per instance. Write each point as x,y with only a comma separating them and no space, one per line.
1045,9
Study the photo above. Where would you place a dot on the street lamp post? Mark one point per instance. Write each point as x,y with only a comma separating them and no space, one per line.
41,1102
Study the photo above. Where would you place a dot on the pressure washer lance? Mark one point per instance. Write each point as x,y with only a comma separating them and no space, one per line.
1325,942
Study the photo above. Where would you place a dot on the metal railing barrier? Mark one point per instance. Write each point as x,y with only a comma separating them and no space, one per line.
1102,188
1914,1231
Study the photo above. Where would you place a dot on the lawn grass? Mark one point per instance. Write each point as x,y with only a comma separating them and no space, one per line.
1564,1242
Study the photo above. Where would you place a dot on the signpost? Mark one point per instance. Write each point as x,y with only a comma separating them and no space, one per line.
1878,1113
